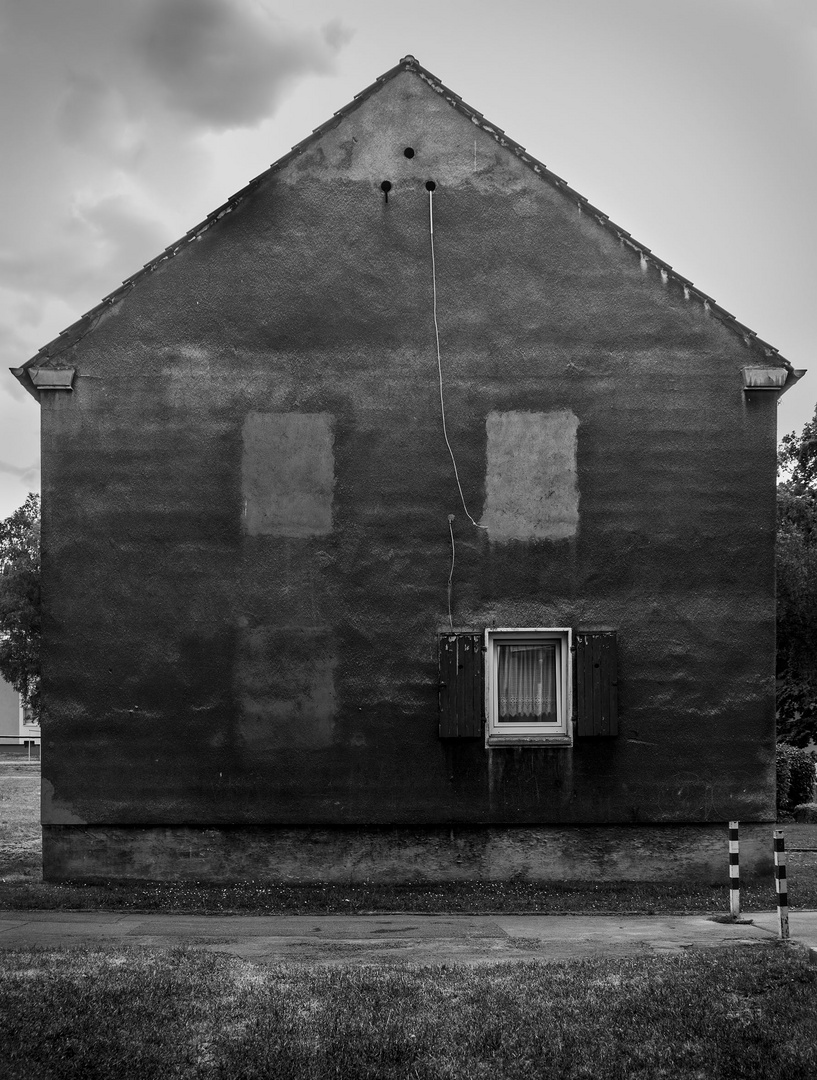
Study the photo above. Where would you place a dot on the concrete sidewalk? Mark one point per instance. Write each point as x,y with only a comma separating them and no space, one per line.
390,939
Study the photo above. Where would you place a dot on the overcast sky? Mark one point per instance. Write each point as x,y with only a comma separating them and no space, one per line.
692,123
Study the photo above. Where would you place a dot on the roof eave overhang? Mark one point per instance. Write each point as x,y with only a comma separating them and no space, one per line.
22,377
794,376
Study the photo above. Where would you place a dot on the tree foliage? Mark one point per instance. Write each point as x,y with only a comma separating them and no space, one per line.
20,601
797,587
795,777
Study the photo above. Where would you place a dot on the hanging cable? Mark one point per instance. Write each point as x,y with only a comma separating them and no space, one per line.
439,360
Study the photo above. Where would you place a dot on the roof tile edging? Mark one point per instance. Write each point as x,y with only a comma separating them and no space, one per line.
603,219
82,326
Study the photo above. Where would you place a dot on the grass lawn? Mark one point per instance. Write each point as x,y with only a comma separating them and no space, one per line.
21,886
726,1013
148,1013
20,837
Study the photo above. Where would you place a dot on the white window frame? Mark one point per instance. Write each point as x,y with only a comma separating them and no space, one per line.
559,734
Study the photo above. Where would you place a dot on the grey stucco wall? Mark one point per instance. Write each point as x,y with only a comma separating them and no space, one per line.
220,651
398,853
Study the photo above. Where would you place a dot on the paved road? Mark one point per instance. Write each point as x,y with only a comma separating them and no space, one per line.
390,939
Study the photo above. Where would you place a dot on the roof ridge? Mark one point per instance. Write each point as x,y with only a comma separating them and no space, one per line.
82,326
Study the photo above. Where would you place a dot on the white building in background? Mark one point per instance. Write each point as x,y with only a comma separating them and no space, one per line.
16,726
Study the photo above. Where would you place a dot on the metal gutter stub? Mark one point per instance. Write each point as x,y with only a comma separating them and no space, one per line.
52,378
770,378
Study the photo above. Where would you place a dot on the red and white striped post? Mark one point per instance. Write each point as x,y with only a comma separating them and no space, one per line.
734,870
780,883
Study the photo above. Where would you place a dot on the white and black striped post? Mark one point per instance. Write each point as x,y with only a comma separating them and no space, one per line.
780,883
734,870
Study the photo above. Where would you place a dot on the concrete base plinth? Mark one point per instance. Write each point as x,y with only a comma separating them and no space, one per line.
395,854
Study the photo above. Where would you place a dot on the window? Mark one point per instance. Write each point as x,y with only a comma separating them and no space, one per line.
528,687
516,686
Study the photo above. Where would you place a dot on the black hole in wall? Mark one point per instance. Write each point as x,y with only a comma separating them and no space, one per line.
430,185
409,151
386,185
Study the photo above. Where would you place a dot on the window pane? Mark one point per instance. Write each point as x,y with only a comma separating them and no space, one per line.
527,683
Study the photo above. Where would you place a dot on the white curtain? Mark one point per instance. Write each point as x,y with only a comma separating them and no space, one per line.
527,683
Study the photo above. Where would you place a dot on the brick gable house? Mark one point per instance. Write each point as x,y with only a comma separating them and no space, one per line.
407,518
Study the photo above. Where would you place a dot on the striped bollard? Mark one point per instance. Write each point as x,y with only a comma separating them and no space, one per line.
734,870
780,883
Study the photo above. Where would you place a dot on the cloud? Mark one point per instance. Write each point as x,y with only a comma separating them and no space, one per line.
226,63
15,348
106,112
104,163
336,35
95,117
24,473
120,228
92,245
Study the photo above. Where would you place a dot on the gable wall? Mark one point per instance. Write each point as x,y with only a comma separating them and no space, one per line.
234,644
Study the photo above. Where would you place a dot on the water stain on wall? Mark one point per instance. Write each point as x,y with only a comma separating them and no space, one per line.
286,686
56,811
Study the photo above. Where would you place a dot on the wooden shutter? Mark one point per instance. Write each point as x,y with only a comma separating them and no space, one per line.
596,683
462,693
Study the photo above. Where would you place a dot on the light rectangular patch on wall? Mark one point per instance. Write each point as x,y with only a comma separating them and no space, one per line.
531,485
288,474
